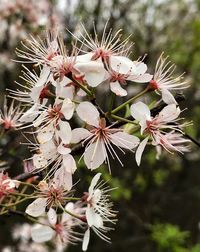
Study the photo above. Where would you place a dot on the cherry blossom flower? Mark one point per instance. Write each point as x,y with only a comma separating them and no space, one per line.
51,120
7,185
56,154
52,193
158,128
10,116
109,44
36,89
100,137
98,211
121,70
164,82
40,51
60,229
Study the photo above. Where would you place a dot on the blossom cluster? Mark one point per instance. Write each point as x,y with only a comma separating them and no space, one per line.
59,104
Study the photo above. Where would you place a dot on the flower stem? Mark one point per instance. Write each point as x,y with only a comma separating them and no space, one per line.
70,213
88,92
122,119
130,100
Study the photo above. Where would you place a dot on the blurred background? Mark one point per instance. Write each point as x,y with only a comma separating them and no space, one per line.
159,202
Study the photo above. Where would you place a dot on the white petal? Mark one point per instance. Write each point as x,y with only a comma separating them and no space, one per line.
84,58
63,179
79,134
43,77
65,216
64,89
141,78
67,109
116,88
94,72
93,218
95,155
122,65
30,114
39,161
41,233
141,67
167,97
69,163
37,207
124,140
169,113
48,149
94,182
139,111
64,132
81,93
52,216
63,150
140,149
86,239
45,134
88,113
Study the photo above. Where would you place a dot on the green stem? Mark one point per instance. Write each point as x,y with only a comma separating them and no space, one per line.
71,198
88,92
122,119
112,99
20,194
130,100
70,213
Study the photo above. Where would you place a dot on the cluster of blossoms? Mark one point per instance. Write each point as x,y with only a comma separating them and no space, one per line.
59,103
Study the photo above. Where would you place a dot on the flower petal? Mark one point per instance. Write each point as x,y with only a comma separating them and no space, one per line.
93,218
140,149
124,140
67,109
122,64
44,75
39,161
169,113
116,88
79,134
37,207
64,132
94,72
41,233
95,155
52,216
86,239
62,178
69,163
88,113
140,110
94,182
45,134
167,97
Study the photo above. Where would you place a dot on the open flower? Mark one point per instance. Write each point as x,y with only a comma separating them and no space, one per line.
40,51
100,137
98,211
52,120
108,45
164,82
162,128
121,70
55,153
52,193
10,116
60,229
7,185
